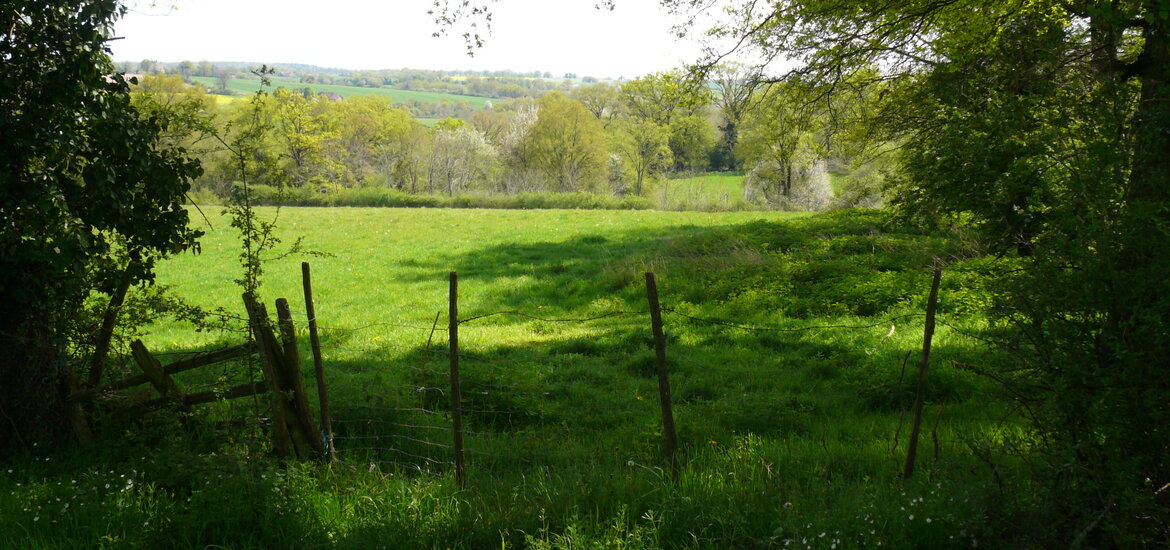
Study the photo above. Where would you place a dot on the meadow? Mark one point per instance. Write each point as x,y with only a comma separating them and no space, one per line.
787,343
245,87
712,191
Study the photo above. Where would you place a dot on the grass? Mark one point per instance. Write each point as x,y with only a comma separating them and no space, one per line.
788,438
714,191
249,86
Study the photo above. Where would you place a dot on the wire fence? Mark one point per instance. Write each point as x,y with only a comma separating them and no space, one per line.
395,402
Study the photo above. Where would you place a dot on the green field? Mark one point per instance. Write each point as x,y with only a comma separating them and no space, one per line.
790,433
710,191
250,86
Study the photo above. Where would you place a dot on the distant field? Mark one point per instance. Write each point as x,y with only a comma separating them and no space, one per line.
711,191
249,86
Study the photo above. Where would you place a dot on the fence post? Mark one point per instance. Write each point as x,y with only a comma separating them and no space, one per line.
663,379
76,414
282,421
295,377
456,407
165,385
923,363
318,366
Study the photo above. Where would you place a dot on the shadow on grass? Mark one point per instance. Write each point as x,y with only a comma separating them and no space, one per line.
846,263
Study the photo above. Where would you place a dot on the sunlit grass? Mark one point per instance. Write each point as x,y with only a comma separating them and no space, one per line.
790,436
714,191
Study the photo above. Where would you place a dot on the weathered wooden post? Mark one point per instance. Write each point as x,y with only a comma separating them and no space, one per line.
282,418
162,382
923,363
318,366
456,406
295,378
668,435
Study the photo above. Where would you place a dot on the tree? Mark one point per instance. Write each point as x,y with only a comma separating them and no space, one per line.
692,139
1043,124
567,144
223,77
305,132
671,101
645,146
735,84
186,68
600,99
520,173
778,143
661,98
184,112
460,157
89,198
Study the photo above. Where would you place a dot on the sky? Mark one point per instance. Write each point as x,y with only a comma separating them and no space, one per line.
558,36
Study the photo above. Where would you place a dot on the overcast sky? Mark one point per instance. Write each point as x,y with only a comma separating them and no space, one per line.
559,36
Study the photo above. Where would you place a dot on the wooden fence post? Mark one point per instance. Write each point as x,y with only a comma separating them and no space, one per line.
295,378
668,435
162,382
282,420
923,363
73,408
318,366
456,406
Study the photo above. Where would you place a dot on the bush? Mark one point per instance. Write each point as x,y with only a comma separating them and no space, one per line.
382,197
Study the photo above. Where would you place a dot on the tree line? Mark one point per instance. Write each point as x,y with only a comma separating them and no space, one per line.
493,84
601,138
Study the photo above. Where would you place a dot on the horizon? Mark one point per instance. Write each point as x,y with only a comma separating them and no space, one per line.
634,39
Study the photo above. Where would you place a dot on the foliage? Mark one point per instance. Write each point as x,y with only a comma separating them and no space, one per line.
644,146
90,193
566,144
1042,126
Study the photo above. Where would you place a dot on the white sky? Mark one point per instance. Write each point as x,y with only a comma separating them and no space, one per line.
559,36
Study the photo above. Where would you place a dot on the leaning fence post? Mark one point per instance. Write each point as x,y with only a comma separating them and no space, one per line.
163,383
923,363
282,418
318,366
456,407
663,379
294,376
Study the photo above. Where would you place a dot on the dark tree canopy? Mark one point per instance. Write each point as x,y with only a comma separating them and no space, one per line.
88,197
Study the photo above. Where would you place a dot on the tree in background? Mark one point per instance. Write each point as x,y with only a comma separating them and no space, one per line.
780,146
735,85
186,69
305,133
671,101
460,158
645,148
184,112
89,196
600,99
567,145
